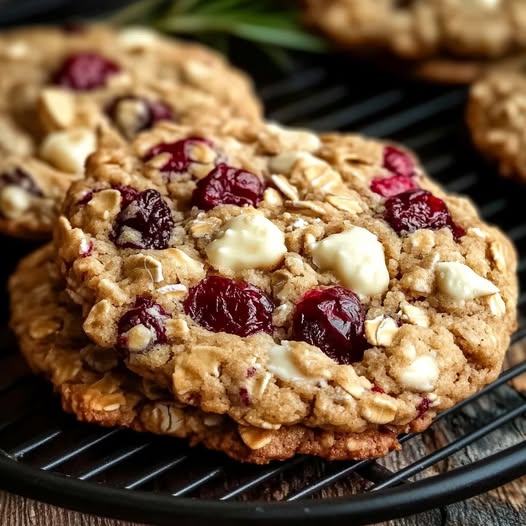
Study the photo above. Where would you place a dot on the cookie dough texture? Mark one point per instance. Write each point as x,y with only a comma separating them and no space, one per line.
47,130
95,387
445,39
496,117
426,345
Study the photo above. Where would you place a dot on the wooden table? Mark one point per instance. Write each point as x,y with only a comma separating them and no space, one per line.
505,506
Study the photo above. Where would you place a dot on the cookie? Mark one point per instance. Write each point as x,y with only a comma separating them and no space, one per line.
57,86
496,117
281,278
441,40
95,387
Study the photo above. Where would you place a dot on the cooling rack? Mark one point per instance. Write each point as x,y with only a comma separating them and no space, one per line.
46,455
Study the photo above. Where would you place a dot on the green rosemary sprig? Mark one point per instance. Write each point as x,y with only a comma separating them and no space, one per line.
267,22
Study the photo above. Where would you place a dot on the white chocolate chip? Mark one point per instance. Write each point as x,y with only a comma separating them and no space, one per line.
497,256
421,375
138,338
293,139
497,306
137,37
14,201
68,150
245,242
281,364
357,258
460,282
57,108
477,232
381,331
17,50
414,315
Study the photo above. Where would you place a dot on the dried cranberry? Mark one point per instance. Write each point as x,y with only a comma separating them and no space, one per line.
251,371
226,185
416,209
181,154
132,114
145,220
143,312
85,71
20,178
390,186
333,320
223,305
377,389
244,396
398,162
128,194
423,407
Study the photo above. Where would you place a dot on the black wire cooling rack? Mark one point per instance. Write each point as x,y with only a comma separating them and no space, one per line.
46,455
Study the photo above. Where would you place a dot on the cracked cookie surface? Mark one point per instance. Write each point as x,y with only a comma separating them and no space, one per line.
281,277
57,86
94,386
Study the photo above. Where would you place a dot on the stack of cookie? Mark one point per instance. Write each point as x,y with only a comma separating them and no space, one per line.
260,290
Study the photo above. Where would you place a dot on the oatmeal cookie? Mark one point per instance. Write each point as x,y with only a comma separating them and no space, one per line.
95,387
281,277
442,40
57,86
496,117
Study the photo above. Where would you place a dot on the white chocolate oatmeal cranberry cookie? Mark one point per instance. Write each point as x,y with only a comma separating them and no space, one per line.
96,388
443,40
496,117
281,278
58,85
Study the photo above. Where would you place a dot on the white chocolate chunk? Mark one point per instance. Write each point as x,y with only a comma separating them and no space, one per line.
57,107
245,242
357,258
460,282
381,331
174,288
281,364
496,304
14,201
421,375
137,37
293,139
68,150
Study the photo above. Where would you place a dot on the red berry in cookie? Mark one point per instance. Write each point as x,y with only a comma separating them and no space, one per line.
148,314
132,114
145,220
21,179
398,162
182,154
417,209
390,186
333,320
85,71
223,305
226,185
